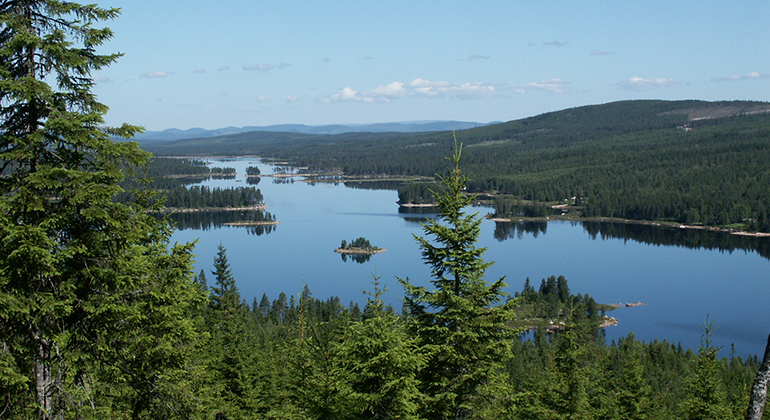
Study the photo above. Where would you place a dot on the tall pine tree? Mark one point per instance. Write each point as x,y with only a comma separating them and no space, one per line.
462,325
78,271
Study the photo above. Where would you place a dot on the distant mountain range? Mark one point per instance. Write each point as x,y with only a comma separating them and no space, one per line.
399,127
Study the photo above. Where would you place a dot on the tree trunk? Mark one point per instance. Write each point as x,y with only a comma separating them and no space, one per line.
43,380
759,390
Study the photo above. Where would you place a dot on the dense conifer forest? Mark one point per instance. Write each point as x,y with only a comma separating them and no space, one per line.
167,179
101,317
692,162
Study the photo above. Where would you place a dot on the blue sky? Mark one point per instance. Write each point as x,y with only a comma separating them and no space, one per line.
249,62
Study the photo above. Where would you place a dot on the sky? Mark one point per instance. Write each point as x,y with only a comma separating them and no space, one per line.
223,63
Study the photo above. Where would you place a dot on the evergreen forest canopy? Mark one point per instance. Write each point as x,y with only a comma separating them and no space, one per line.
168,178
101,318
691,162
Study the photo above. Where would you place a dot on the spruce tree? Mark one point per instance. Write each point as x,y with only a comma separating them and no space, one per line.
317,384
706,397
462,325
232,350
380,364
264,307
633,394
93,305
572,372
224,294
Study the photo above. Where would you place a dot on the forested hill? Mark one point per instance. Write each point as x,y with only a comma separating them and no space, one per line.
407,127
686,161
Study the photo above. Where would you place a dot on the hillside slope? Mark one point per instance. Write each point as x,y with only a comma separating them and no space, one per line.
686,161
172,134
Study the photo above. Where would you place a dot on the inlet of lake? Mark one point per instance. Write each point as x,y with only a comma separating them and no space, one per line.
683,277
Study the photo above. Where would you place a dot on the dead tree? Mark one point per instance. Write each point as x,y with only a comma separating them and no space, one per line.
759,390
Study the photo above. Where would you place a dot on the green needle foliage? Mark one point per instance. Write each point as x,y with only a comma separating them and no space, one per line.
460,325
380,364
94,306
706,395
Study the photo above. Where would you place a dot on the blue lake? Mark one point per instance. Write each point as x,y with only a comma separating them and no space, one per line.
680,286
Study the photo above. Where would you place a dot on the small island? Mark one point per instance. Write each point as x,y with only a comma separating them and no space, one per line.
552,307
359,246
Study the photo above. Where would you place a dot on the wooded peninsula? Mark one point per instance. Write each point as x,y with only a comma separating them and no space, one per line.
102,317
689,162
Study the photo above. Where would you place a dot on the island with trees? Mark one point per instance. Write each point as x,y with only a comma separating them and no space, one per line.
102,316
694,163
359,246
168,180
552,306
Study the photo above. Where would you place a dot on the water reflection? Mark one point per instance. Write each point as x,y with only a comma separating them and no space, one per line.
677,285
259,230
253,180
283,180
646,234
190,180
687,238
205,220
417,210
359,258
374,185
509,230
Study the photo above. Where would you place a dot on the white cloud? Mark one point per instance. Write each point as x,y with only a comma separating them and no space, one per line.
639,83
199,71
348,95
600,52
156,74
262,98
292,98
478,57
743,77
395,89
553,85
416,88
223,68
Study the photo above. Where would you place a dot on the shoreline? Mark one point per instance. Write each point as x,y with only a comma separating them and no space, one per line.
630,222
207,209
494,219
417,205
264,223
359,251
607,322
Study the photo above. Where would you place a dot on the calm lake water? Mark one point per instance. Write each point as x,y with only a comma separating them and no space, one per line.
682,277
